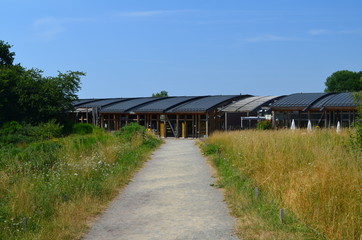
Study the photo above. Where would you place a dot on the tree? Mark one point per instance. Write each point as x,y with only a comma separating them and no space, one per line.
163,93
6,57
28,96
344,81
44,98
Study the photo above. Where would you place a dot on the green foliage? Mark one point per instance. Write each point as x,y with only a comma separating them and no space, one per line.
28,96
48,130
11,128
6,57
264,125
15,133
83,128
163,93
344,81
43,180
131,130
356,136
210,149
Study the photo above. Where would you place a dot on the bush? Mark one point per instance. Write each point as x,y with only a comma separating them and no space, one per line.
83,128
48,130
131,130
264,125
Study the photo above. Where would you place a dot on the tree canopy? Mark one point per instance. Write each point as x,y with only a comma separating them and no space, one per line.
28,96
344,81
6,57
163,93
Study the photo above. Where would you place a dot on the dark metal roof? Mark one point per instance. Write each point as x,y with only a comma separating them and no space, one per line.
78,102
249,104
335,100
163,104
127,105
203,104
298,100
100,103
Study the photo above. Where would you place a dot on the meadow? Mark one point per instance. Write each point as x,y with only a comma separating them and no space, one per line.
52,189
316,178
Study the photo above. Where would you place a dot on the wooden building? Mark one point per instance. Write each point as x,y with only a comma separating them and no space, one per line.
247,112
186,116
322,109
199,116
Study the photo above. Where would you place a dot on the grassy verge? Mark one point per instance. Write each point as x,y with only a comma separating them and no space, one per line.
315,178
52,189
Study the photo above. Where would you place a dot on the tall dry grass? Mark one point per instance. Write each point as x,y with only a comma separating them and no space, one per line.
52,189
315,175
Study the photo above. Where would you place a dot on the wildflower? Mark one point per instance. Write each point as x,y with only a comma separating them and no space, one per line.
75,174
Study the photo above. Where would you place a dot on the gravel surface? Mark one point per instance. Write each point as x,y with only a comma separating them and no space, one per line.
170,198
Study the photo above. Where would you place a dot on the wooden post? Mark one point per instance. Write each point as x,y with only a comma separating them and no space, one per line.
165,126
298,119
198,126
281,215
158,124
256,193
207,124
226,121
193,125
109,121
177,125
87,116
102,121
273,119
25,223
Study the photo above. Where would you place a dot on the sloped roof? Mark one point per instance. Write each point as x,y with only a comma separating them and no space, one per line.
335,100
78,102
100,102
298,100
128,105
163,104
203,104
249,104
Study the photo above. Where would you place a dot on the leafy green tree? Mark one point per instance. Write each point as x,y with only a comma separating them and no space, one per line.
44,98
344,81
6,57
163,93
28,96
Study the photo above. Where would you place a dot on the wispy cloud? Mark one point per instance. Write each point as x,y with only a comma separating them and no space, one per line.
317,32
149,13
269,38
50,27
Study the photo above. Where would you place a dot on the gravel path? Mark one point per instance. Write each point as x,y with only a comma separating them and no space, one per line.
170,198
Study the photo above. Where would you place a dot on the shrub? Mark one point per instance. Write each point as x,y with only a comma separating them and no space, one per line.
83,128
10,128
131,130
48,130
264,125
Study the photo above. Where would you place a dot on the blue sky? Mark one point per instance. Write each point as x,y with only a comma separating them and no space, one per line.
199,47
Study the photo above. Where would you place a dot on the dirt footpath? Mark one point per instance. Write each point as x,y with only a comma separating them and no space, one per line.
170,198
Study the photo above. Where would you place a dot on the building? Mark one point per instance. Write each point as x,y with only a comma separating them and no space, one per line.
245,113
199,116
186,116
322,109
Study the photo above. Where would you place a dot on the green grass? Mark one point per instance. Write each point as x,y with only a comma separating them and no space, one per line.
52,189
257,214
316,178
